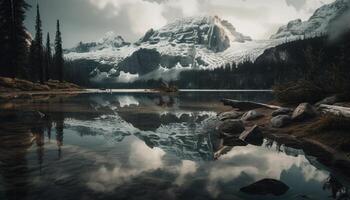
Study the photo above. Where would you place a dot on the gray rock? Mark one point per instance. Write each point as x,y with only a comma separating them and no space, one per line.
231,127
229,115
281,121
266,187
252,136
329,101
303,112
251,115
282,111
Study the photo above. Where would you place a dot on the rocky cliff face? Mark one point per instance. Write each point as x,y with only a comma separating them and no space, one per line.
319,23
212,32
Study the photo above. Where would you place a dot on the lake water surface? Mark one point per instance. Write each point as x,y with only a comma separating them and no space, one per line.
143,146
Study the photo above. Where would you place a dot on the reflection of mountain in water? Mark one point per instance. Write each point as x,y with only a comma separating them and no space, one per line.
158,121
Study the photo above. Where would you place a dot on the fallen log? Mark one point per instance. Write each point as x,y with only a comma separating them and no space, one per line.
335,110
247,105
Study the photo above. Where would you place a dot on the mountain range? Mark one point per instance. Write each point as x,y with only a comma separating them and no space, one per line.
194,43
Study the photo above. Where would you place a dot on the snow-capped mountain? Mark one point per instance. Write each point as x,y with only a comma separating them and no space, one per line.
110,40
212,32
319,23
190,43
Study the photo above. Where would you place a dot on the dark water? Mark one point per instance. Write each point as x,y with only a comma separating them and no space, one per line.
142,146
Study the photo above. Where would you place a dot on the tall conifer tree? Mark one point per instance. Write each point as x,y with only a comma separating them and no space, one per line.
38,47
59,62
48,58
13,37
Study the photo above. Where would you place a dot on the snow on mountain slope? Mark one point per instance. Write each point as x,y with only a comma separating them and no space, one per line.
320,22
110,40
212,32
189,43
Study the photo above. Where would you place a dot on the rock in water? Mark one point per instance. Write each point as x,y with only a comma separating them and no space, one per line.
229,115
304,111
282,111
251,115
280,121
231,127
252,136
265,187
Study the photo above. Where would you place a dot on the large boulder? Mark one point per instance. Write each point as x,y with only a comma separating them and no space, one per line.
266,187
252,136
282,111
251,115
280,121
231,127
303,112
229,115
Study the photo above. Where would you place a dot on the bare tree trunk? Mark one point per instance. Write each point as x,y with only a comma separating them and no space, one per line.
335,110
247,105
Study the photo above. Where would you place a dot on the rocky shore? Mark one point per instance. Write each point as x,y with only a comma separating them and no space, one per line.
320,130
11,88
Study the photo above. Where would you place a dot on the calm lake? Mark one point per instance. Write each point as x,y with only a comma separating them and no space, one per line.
143,146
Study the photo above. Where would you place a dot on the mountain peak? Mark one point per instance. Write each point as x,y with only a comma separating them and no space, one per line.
109,40
319,23
211,31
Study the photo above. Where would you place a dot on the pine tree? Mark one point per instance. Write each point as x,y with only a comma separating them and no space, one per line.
38,47
13,37
47,58
59,53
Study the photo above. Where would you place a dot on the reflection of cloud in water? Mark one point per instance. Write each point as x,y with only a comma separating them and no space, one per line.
187,167
141,159
258,163
141,156
127,100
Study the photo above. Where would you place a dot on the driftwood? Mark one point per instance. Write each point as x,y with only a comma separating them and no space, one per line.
247,105
335,110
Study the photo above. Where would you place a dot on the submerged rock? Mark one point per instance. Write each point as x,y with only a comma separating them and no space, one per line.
229,115
304,111
265,187
231,127
252,136
282,111
280,121
251,115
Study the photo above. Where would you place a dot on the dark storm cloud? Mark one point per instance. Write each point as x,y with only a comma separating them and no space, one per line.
80,20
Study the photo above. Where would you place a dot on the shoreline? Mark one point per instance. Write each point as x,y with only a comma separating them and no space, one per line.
292,135
325,146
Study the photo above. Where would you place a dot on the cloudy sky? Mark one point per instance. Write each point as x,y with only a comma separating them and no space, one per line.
88,20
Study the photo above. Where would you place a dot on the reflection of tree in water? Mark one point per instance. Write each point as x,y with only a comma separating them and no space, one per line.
59,120
166,101
38,134
339,192
13,163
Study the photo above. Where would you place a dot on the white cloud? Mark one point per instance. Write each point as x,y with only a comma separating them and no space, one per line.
252,17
